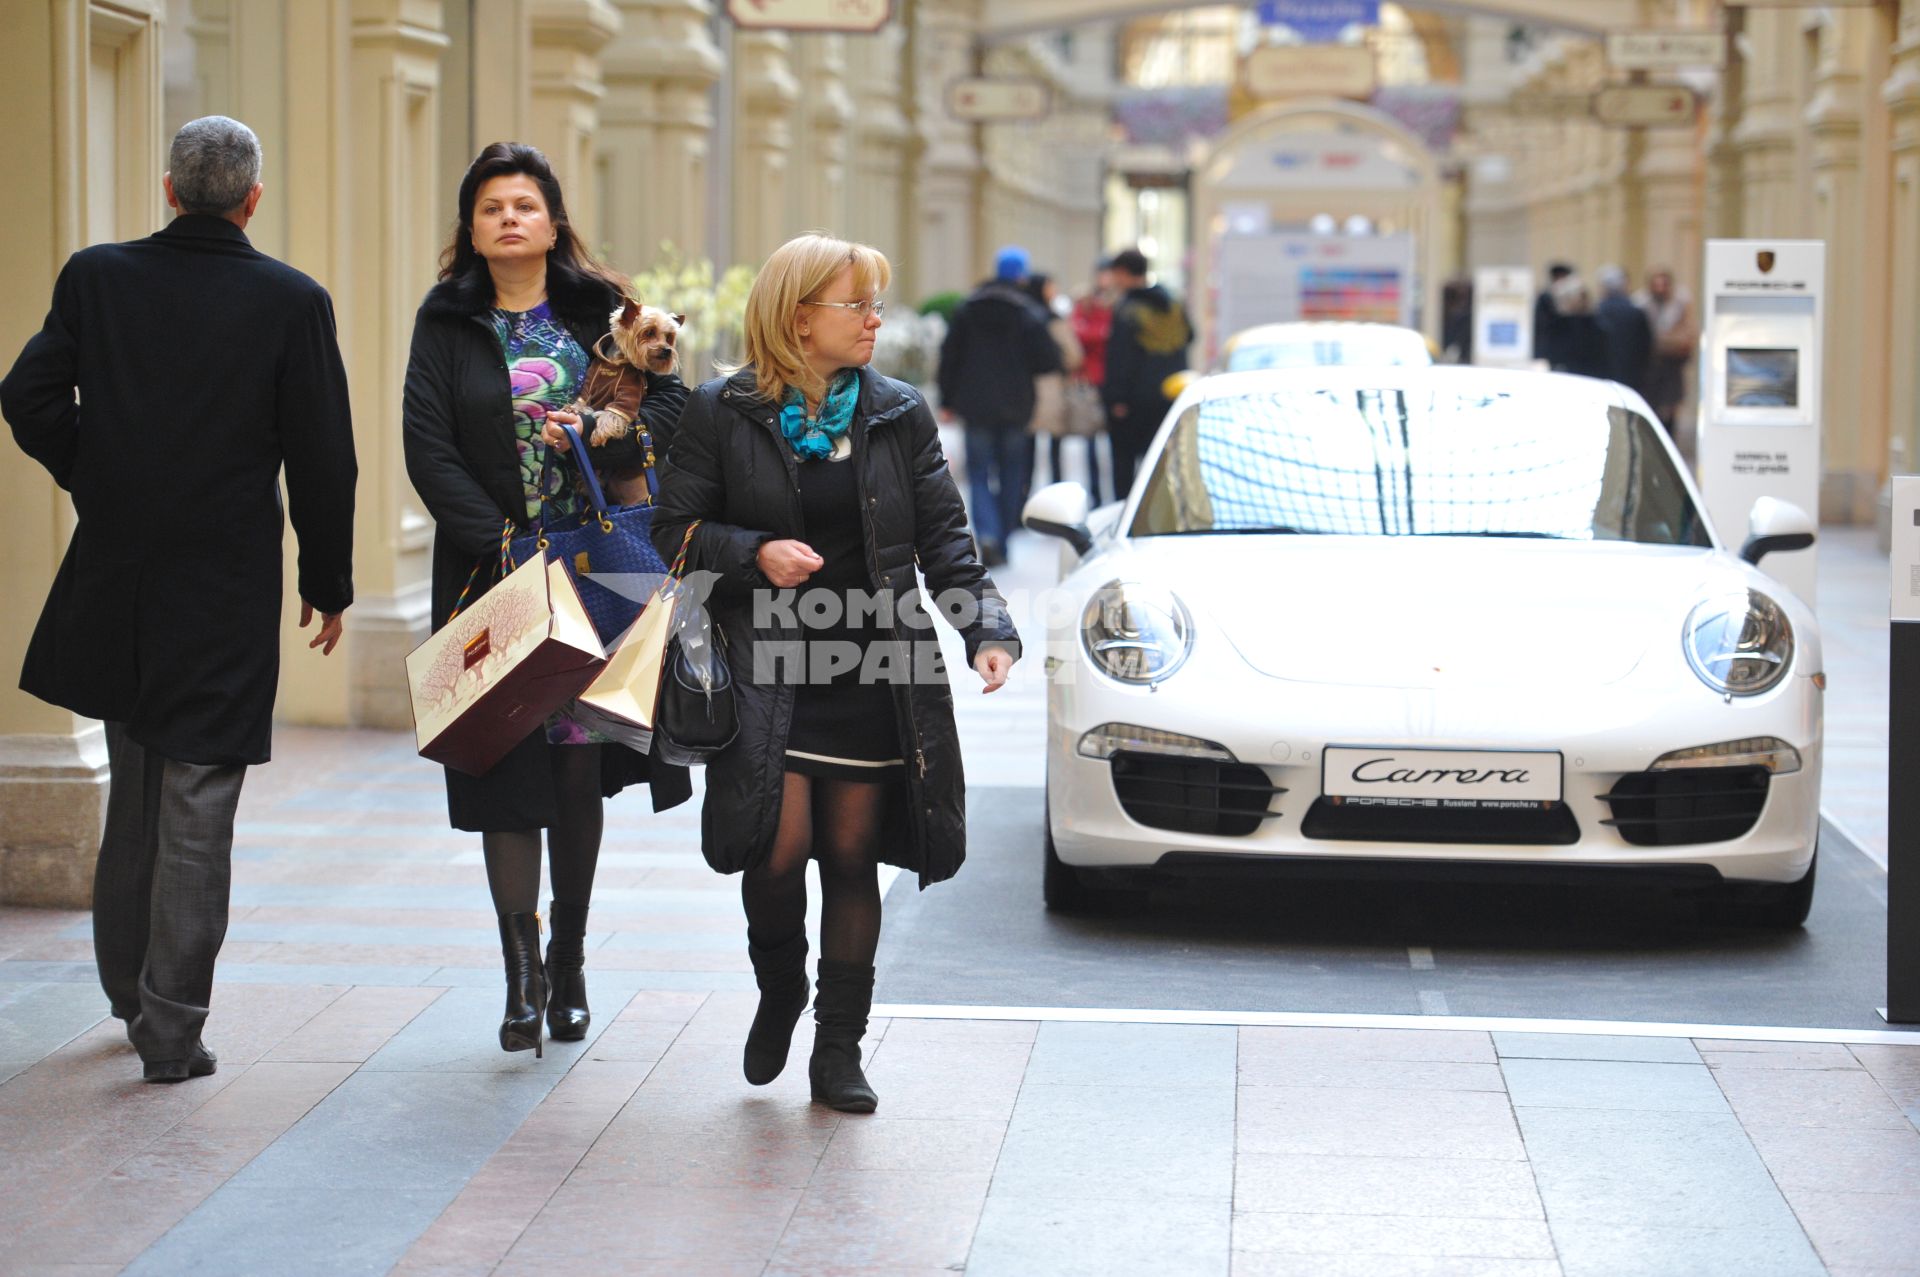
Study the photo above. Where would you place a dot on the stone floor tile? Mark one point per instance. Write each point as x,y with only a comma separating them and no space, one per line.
1620,1249
1161,1055
1594,1046
1148,1107
460,1033
1810,1097
923,1144
603,1227
1649,1167
1246,1264
910,1219
668,1139
1023,1236
777,1269
1612,1084
660,1006
38,1019
1370,1044
315,1231
538,1266
1840,1158
1351,1121
1049,1158
1403,1235
1432,1187
1409,1075
1734,1054
964,1030
1861,1229
722,1019
356,1025
975,1080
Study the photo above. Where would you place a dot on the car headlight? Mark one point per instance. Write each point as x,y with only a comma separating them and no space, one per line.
1769,752
1109,739
1136,633
1739,644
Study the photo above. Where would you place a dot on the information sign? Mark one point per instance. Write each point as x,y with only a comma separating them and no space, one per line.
858,17
1641,105
982,100
1666,50
1319,20
1309,70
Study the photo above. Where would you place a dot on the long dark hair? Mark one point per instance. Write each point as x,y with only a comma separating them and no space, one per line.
568,257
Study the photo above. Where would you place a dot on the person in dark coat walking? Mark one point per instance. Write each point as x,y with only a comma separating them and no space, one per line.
1624,325
204,370
1151,333
998,343
500,347
1579,344
1547,329
807,471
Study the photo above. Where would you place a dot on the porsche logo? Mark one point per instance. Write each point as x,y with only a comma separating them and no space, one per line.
1764,260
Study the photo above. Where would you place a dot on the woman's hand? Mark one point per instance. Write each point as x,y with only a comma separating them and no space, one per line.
788,563
555,437
993,664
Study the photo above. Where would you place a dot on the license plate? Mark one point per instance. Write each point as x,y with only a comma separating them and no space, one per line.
1439,777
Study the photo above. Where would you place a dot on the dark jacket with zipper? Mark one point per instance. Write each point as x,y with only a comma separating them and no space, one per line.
177,380
457,425
728,466
998,343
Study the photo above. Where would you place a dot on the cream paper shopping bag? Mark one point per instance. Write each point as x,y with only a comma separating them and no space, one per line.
495,671
620,702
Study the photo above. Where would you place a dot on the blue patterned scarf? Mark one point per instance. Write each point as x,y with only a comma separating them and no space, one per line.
812,438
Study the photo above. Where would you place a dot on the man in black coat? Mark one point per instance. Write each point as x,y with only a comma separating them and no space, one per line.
998,343
1549,334
174,380
1151,333
1628,334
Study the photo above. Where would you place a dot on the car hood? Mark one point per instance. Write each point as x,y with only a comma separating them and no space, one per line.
1439,611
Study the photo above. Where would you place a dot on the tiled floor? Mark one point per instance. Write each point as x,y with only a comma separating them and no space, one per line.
363,1121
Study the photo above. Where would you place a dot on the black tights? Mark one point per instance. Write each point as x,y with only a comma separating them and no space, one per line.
573,844
836,823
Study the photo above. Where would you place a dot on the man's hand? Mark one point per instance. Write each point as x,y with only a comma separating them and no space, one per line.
788,563
993,665
330,628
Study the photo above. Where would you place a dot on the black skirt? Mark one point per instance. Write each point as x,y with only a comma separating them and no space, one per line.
844,723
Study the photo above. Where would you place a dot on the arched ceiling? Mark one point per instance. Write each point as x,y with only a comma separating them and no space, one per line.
1000,19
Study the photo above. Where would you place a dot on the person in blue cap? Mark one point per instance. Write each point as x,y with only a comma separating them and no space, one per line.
998,343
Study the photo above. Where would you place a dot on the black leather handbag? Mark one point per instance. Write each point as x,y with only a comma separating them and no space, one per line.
696,717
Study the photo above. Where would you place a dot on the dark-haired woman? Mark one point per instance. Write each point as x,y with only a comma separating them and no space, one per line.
500,346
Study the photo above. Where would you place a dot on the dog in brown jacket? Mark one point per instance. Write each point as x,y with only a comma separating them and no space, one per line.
643,339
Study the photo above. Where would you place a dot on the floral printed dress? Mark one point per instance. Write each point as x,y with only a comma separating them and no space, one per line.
546,368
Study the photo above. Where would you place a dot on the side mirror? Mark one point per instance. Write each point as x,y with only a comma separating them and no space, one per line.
1774,526
1060,510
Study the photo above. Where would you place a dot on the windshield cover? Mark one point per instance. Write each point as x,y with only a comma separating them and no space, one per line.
1418,463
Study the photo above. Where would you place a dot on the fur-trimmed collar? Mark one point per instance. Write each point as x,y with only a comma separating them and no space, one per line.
575,300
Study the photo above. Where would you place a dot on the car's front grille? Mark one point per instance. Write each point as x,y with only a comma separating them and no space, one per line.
1193,795
1534,824
1697,804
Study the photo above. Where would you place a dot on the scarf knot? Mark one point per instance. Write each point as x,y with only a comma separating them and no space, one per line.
812,438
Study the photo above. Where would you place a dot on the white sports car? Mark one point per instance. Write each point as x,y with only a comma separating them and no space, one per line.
1421,615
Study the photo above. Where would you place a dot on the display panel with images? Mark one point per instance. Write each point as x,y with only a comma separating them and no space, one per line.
1763,377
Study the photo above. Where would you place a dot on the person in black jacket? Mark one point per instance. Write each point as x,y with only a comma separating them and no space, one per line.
500,346
1624,326
998,343
203,369
808,472
1580,344
1151,333
1548,340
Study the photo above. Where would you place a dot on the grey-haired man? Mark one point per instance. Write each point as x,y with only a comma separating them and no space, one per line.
175,379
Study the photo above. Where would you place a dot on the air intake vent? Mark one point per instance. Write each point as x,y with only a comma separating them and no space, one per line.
1193,795
1694,805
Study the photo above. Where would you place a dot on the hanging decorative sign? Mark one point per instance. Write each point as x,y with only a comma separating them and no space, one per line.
986,100
856,17
1666,50
1638,105
1319,21
1309,70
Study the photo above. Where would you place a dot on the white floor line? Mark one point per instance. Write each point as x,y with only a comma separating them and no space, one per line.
1336,1020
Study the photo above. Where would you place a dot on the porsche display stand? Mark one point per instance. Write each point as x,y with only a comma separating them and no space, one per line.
1903,760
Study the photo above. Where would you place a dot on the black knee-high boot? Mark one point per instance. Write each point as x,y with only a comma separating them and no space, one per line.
781,973
840,1011
567,1014
526,983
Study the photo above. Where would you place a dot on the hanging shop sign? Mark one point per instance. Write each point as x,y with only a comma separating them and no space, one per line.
855,17
1550,106
985,100
1308,70
1319,20
1666,50
1645,105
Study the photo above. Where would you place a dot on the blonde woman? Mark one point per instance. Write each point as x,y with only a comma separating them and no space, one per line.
813,485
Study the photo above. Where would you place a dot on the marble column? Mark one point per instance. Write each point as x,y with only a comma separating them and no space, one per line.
764,96
881,149
564,111
1766,138
824,117
656,131
946,178
1901,93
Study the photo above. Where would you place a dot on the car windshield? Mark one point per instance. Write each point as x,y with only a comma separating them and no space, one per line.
1418,463
1316,354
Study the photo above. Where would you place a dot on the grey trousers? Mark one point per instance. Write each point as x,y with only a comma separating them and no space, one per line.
160,891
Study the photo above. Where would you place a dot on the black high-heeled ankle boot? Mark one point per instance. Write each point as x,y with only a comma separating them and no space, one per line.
526,983
781,973
840,1008
567,1014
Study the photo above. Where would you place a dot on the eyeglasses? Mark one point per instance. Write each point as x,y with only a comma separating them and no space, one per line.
876,307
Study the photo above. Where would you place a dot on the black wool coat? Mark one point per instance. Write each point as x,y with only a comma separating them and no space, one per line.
203,369
730,468
997,344
457,428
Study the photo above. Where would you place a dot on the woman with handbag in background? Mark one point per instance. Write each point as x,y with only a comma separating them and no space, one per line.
1051,419
500,348
813,485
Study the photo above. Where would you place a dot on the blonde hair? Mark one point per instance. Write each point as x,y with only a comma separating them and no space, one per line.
796,272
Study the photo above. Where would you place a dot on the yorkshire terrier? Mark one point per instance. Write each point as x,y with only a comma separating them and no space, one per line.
642,340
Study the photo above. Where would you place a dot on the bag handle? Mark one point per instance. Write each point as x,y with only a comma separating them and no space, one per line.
678,569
